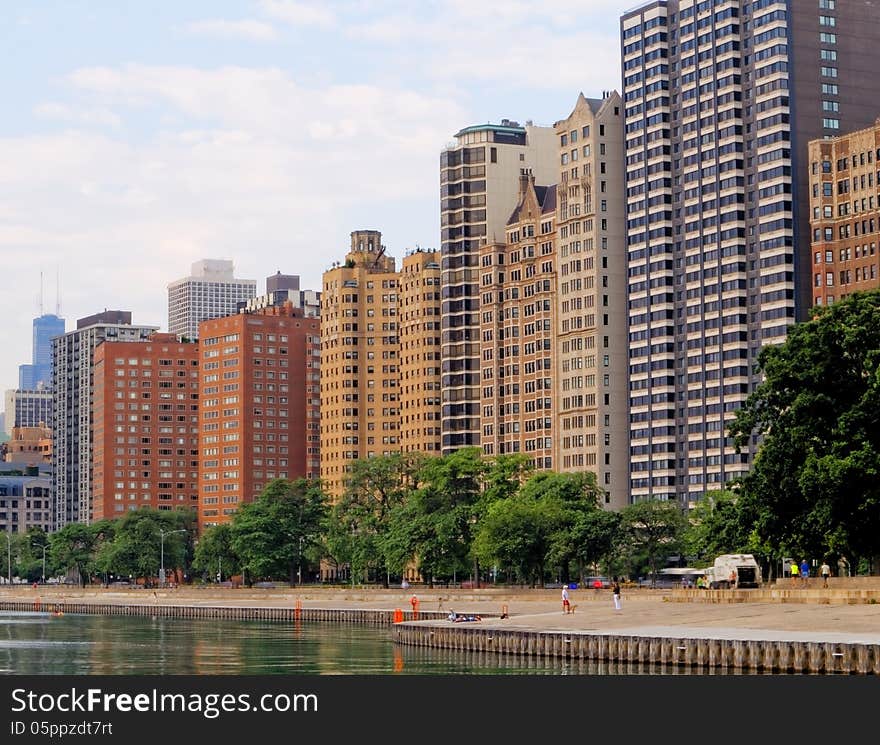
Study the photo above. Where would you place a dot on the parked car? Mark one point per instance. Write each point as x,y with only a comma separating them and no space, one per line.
604,583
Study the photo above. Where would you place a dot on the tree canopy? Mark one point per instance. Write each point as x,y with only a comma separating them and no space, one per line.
814,486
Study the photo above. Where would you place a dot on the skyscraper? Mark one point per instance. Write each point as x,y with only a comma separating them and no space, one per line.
721,98
590,429
479,186
39,373
211,291
360,359
72,400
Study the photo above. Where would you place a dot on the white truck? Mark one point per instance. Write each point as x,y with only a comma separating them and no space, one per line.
733,571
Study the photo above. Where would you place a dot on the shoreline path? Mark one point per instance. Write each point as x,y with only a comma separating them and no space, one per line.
796,615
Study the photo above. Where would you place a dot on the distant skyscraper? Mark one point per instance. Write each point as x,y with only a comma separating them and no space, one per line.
211,291
72,394
38,373
479,187
721,99
27,408
284,288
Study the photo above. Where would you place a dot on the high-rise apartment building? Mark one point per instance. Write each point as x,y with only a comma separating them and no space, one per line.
479,185
259,399
591,397
360,359
721,99
28,408
211,291
518,331
72,401
37,375
145,426
419,358
845,213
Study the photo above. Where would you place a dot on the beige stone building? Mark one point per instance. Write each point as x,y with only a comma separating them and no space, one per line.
30,445
419,319
845,213
478,191
591,389
360,359
517,331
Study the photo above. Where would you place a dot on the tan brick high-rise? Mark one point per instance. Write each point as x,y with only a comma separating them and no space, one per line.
845,214
380,366
145,426
360,358
259,406
419,318
591,385
518,329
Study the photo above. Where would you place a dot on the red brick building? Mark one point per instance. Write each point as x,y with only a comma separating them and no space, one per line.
145,426
259,396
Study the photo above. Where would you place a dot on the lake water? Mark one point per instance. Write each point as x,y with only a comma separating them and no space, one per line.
42,644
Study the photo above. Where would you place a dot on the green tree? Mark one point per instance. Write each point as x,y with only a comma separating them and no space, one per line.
445,513
214,554
569,497
714,527
595,535
71,551
654,529
274,534
814,487
134,546
375,488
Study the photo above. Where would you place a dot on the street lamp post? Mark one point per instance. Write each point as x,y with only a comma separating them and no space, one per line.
299,570
9,557
44,547
162,534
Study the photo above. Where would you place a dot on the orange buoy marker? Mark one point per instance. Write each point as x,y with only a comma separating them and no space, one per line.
398,615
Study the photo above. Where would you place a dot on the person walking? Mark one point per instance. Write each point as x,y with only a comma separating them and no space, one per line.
825,571
805,572
566,603
615,592
795,573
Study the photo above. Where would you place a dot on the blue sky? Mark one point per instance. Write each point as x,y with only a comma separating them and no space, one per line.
138,137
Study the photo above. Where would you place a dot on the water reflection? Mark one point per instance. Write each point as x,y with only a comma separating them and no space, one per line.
34,643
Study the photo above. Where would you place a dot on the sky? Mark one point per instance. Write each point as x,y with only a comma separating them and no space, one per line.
139,137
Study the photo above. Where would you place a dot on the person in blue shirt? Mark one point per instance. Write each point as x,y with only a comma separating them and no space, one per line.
805,572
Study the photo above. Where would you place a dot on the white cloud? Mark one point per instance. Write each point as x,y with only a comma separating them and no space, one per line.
64,113
299,13
272,175
247,29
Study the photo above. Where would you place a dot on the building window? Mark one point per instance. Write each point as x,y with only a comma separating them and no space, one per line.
831,123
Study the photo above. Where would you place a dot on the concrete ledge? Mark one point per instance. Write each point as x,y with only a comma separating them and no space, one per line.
759,655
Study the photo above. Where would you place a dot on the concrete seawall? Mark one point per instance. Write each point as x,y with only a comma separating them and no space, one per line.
759,655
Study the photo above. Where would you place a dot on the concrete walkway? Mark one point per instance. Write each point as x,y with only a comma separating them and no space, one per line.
644,612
